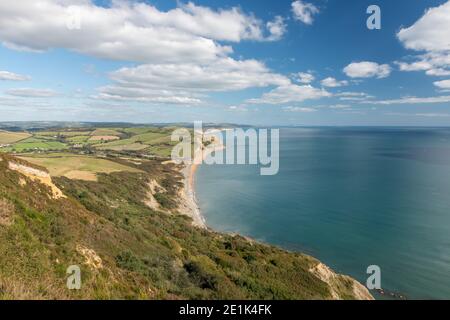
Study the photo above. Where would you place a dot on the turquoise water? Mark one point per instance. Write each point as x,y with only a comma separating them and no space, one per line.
351,197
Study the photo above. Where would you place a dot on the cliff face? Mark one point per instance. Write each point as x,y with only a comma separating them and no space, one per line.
128,249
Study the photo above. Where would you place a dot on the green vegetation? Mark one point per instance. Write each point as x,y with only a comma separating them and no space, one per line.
149,140
78,139
141,252
105,132
36,144
64,133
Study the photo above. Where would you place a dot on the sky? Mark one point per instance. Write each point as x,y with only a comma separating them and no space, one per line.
303,62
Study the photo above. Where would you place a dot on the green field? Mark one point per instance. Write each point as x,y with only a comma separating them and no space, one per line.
153,141
76,167
156,143
78,139
105,132
64,134
36,144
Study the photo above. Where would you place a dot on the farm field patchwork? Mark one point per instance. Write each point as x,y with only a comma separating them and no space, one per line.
152,141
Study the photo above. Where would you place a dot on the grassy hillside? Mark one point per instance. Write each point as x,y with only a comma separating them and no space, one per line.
128,251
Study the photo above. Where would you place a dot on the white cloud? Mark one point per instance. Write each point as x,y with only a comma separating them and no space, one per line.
187,83
412,100
438,72
130,31
299,109
276,28
304,77
444,84
431,33
367,69
304,11
31,93
179,49
333,83
354,96
290,93
433,63
6,75
224,75
340,106
158,96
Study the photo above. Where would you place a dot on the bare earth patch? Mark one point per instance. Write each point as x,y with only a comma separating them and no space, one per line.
328,276
39,176
91,257
150,201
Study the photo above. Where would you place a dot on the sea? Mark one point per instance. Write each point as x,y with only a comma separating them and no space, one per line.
351,197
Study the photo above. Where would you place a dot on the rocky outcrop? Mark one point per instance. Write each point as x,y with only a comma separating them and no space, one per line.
37,175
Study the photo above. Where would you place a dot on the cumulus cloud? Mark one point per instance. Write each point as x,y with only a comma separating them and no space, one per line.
333,83
444,84
224,75
431,33
130,31
10,76
179,49
290,93
367,69
304,11
276,28
433,63
157,96
187,83
304,77
31,93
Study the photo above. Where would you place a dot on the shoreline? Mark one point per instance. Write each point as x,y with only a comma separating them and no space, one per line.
189,206
189,200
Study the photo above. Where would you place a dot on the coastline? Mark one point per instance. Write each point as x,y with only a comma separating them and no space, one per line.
189,205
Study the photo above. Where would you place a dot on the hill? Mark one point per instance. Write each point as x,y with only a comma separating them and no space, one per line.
129,248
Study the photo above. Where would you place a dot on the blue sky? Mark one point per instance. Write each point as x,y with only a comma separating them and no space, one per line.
255,62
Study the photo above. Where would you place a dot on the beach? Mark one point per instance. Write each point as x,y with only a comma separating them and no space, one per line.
188,204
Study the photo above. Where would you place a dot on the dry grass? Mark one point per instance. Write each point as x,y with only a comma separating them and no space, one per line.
77,167
7,137
6,212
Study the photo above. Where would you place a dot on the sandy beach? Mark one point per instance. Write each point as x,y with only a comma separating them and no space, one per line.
189,205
